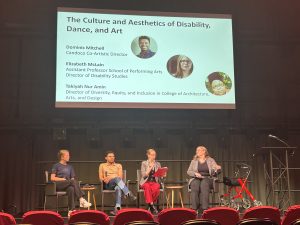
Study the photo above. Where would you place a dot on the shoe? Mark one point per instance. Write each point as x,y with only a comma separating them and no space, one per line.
84,203
131,196
115,211
153,209
69,213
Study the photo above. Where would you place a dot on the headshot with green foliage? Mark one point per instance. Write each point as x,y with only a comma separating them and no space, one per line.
218,83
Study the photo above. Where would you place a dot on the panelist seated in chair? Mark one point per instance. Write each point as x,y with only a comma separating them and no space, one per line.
149,183
111,174
64,175
201,170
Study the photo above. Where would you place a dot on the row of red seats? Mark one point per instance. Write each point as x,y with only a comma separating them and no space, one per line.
175,216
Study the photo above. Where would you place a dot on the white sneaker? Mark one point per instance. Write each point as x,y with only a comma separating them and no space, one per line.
69,213
84,203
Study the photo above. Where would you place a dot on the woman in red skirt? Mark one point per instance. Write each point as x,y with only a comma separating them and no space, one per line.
148,182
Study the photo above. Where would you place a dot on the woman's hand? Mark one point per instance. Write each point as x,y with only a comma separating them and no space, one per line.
198,175
151,166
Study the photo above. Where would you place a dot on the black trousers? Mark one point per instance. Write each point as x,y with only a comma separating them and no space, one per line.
200,189
73,191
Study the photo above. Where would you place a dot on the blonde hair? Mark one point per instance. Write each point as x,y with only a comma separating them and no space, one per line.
179,72
204,148
150,150
61,153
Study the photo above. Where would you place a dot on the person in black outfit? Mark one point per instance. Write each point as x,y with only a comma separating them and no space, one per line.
64,175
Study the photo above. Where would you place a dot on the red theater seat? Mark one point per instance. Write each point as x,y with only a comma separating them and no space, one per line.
6,219
142,223
223,215
128,215
42,218
263,212
91,216
291,214
176,216
257,221
201,222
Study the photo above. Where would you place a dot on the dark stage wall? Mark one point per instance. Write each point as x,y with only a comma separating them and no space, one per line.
267,53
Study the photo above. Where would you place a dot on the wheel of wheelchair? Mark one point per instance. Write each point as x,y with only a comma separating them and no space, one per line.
235,205
257,203
246,203
223,202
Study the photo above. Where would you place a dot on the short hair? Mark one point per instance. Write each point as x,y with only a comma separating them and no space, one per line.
108,152
144,37
61,153
215,76
150,150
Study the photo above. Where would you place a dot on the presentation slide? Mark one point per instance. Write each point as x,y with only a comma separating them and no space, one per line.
139,59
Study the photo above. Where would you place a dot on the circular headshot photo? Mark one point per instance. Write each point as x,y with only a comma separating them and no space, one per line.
218,83
180,66
144,47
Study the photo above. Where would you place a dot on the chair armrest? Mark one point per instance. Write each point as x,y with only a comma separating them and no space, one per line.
50,188
127,183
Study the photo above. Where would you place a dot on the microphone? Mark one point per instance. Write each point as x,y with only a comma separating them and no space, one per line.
278,139
272,136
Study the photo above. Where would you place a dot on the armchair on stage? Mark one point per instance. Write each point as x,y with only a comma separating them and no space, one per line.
239,185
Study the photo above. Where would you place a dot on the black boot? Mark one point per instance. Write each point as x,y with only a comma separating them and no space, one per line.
153,209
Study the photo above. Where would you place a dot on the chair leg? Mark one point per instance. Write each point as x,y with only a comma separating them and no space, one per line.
180,197
57,203
138,199
102,200
95,204
45,200
163,199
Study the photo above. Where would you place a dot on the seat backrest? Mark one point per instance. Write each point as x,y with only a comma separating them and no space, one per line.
262,212
84,223
6,219
91,216
39,218
46,176
132,214
176,216
142,223
291,214
223,215
138,178
257,221
200,222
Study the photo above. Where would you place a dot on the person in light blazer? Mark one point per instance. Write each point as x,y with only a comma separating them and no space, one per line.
201,169
148,182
